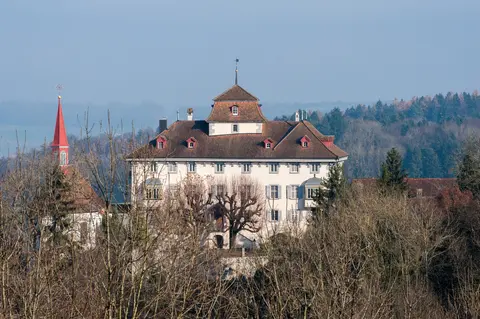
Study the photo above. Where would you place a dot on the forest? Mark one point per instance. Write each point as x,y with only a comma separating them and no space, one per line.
427,130
366,252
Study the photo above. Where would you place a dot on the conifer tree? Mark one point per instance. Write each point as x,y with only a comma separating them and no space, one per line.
392,175
332,189
469,169
57,203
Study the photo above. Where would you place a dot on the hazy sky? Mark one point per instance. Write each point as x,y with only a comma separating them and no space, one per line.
183,52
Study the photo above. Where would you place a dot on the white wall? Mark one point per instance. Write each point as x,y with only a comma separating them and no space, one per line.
259,171
227,128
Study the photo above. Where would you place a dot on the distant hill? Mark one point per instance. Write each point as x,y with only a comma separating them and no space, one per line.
428,130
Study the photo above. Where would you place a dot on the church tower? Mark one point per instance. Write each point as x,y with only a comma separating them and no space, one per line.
60,141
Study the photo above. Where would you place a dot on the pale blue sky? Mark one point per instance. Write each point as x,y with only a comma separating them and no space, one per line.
181,53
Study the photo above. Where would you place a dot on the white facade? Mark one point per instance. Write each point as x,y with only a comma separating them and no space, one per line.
288,160
287,201
234,128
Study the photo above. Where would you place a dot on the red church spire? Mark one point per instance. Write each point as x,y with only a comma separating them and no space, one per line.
60,141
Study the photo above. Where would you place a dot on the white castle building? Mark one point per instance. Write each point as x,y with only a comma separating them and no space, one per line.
287,158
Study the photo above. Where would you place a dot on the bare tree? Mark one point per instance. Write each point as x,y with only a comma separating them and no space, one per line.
191,202
240,201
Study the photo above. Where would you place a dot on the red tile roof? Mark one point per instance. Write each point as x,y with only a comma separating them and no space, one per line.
248,111
83,197
236,93
248,108
241,146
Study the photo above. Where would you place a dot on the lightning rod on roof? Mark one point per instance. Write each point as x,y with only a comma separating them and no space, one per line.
59,88
236,71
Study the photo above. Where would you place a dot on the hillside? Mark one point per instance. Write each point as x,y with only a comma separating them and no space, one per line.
427,130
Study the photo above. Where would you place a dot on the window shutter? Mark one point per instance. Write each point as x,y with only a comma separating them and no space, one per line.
267,191
279,192
279,215
300,192
289,191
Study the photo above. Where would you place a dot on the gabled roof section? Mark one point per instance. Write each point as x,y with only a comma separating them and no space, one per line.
240,146
60,134
236,93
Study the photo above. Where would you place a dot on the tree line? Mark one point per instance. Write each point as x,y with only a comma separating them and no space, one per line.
429,131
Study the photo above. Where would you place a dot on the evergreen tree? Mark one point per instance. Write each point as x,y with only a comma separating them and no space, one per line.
333,189
469,169
57,203
392,175
431,164
413,162
333,123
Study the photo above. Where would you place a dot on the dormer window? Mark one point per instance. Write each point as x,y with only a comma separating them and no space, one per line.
161,142
268,143
235,110
305,141
191,142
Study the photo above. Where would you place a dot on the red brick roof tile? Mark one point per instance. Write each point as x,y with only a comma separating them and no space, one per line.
241,146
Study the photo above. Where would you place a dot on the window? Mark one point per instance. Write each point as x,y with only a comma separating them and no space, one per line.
153,166
274,215
246,191
274,168
235,128
419,192
63,158
274,191
314,168
293,192
305,141
294,215
191,144
312,193
160,144
246,168
294,168
268,143
172,167
154,193
218,190
219,168
235,110
191,167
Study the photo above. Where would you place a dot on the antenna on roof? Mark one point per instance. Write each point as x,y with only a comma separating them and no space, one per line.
236,71
59,88
178,115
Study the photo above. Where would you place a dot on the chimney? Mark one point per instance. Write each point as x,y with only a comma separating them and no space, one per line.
328,140
297,117
162,125
190,114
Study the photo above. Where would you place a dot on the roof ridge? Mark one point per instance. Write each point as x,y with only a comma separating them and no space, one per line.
231,88
286,135
308,128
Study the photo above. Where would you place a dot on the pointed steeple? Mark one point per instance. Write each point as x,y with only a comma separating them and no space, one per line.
60,141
